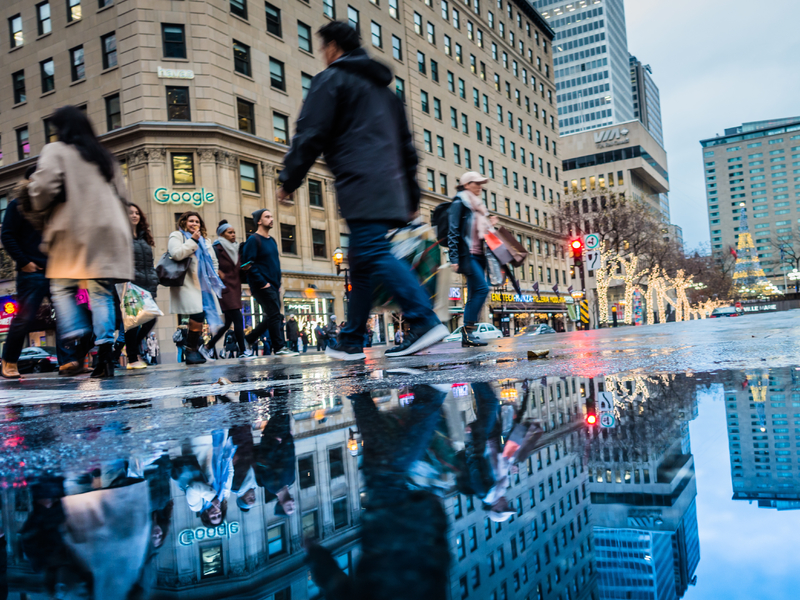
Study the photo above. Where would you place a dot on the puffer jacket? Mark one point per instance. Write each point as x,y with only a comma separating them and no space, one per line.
144,273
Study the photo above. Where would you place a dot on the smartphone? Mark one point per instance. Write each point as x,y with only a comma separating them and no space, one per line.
246,265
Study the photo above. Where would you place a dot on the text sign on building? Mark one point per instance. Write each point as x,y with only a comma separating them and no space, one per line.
611,137
187,537
196,197
529,298
455,293
175,73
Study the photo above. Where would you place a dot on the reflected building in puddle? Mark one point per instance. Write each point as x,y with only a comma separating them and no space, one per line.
643,489
763,414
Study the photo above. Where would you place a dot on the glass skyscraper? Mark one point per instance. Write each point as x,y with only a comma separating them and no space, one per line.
591,62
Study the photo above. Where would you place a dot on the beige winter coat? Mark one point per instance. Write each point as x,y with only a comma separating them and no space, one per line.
188,299
88,236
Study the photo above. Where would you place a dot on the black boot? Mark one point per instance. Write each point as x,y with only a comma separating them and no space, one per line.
119,345
193,356
468,338
105,362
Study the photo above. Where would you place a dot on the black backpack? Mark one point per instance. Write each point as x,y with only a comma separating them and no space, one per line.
441,221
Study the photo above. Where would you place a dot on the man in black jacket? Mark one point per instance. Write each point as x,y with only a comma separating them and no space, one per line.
360,126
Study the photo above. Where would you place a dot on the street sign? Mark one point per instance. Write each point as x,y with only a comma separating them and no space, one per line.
592,241
605,402
593,260
607,420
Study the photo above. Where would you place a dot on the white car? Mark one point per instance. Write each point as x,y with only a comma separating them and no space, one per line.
484,332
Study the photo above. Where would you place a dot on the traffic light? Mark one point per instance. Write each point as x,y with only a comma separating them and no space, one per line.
576,248
591,412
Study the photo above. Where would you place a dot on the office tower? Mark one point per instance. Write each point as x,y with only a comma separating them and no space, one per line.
590,58
751,166
646,99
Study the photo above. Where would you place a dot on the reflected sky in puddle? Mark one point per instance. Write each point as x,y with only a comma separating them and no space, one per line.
491,490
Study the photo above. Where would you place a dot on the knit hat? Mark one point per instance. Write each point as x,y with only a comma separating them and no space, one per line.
223,228
257,215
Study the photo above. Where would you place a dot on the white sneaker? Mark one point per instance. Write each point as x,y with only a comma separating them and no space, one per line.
286,352
206,353
139,364
248,354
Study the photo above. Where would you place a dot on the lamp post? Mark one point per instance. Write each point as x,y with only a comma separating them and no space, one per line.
338,259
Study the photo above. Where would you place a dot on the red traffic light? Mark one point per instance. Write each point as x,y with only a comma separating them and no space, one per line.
576,244
576,248
591,419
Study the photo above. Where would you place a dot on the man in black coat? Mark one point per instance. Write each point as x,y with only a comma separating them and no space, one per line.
360,125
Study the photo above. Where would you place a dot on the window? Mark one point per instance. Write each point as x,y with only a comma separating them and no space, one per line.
247,117
77,64
339,511
173,40
304,36
183,169
397,48
417,23
335,459
434,71
431,180
315,196
328,9
289,246
241,64
108,44
239,8
104,3
18,80
73,10
113,112
309,522
440,146
43,23
50,134
431,33
352,17
393,9
305,82
400,88
437,109
426,136
318,244
211,560
277,76
443,184
23,144
15,26
178,104
247,176
273,19
275,541
47,70
280,128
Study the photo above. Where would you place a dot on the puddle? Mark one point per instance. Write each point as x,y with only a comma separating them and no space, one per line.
683,486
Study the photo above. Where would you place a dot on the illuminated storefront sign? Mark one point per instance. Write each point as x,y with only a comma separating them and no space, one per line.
455,293
187,537
528,298
196,197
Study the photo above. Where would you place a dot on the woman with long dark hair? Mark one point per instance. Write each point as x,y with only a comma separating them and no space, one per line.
87,235
199,295
144,275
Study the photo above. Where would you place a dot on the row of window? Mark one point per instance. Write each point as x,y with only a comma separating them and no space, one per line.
44,23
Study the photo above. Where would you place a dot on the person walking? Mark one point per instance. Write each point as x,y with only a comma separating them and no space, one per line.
360,124
260,255
292,333
87,235
320,334
305,337
199,295
152,348
228,257
21,240
144,275
469,223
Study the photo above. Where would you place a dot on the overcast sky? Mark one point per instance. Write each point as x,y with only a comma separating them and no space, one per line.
717,65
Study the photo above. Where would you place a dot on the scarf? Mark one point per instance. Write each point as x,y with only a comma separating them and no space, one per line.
232,248
221,464
210,283
479,212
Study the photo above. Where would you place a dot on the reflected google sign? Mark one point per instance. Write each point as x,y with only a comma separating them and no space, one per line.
196,197
187,537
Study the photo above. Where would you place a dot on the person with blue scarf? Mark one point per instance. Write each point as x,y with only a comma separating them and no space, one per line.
199,295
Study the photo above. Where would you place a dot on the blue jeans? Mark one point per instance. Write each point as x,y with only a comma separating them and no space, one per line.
371,261
73,322
477,288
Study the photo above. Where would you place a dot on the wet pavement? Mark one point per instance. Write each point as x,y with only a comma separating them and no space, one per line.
457,474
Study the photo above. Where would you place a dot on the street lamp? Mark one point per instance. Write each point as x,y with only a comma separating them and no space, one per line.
338,259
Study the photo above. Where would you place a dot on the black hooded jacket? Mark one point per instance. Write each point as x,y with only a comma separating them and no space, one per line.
359,125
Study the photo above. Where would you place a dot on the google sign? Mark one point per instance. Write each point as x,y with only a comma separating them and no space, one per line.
187,537
196,197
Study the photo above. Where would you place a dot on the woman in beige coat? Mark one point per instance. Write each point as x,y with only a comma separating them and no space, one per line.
87,235
199,295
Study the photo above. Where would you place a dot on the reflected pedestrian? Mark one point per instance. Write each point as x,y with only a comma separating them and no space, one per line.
361,125
153,349
88,234
144,275
199,295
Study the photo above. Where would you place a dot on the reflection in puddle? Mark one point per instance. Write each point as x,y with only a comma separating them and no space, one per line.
491,490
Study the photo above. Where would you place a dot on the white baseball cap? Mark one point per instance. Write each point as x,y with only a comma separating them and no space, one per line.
471,177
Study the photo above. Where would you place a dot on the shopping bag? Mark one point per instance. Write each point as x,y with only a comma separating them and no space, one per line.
515,249
498,248
137,305
494,269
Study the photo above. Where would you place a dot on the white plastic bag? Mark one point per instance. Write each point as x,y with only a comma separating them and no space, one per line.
137,305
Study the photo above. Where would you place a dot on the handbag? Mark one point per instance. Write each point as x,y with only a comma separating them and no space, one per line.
171,272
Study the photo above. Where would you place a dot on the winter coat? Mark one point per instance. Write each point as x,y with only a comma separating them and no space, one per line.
144,273
292,330
88,235
229,273
459,235
359,124
188,298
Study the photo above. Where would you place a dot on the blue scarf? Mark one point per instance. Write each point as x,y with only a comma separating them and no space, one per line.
221,463
210,283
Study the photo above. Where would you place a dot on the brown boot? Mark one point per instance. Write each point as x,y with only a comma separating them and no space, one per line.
10,370
70,369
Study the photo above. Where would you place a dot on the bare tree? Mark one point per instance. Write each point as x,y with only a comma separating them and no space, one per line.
715,273
789,247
